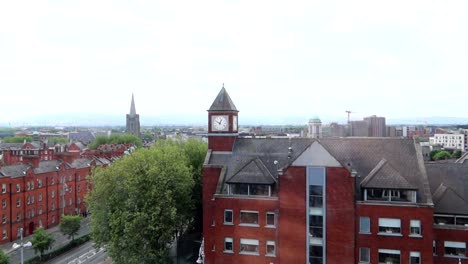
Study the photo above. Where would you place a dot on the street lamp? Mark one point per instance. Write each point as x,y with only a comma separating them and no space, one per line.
22,245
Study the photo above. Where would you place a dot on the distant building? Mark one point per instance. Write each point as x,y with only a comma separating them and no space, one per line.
391,131
133,121
358,129
337,130
449,141
376,125
314,128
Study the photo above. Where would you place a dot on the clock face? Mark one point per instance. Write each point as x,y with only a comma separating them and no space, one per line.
234,123
219,123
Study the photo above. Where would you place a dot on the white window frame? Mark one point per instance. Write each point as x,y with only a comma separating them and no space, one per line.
390,251
274,219
248,242
415,254
232,217
390,223
361,231
360,255
415,224
248,224
18,187
18,202
228,240
4,188
270,243
454,244
4,203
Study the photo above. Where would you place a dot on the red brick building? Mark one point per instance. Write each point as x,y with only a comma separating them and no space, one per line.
335,200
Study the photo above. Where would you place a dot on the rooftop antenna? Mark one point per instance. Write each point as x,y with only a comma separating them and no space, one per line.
349,114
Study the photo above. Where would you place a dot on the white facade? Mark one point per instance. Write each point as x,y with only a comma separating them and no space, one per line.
314,128
451,141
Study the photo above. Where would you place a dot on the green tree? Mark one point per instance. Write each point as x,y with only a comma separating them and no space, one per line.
3,258
457,154
70,224
140,202
17,139
116,139
433,153
441,155
42,241
195,150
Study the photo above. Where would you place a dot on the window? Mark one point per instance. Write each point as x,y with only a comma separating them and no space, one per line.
39,183
79,200
228,216
53,206
29,199
18,216
364,255
78,177
249,246
364,225
388,226
389,256
434,248
270,248
39,210
33,212
79,188
32,199
70,201
415,228
250,189
28,186
18,187
52,181
270,219
18,202
69,177
39,197
53,219
32,185
4,234
53,194
415,257
249,218
228,245
455,248
3,187
4,219
4,205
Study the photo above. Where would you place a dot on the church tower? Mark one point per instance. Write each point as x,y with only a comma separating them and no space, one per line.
222,123
133,121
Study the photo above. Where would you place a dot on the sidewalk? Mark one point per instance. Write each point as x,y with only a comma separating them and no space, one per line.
28,252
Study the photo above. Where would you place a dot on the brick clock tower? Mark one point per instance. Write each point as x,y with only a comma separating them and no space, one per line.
222,123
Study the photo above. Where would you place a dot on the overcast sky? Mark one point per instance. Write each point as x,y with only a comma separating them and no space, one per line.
276,58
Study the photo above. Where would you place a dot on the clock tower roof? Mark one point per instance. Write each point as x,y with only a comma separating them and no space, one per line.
223,102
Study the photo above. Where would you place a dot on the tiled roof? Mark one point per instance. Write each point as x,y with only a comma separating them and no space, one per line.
84,136
403,159
47,166
254,172
449,186
223,102
383,176
81,163
10,145
14,170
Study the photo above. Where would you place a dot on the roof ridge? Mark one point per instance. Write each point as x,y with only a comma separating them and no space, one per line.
373,172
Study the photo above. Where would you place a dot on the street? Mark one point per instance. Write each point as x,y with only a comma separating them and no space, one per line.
86,253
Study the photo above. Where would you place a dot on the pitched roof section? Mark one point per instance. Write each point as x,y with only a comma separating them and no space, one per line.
132,107
255,172
223,102
385,176
316,155
449,186
15,170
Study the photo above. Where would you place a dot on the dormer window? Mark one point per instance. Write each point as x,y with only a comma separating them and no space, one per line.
391,195
250,189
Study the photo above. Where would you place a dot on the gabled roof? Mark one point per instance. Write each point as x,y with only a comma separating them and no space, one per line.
81,163
14,170
255,172
48,166
449,187
223,102
403,159
385,176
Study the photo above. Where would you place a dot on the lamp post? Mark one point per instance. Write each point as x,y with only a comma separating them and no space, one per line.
22,245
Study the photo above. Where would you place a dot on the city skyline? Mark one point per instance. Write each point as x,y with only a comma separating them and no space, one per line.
397,60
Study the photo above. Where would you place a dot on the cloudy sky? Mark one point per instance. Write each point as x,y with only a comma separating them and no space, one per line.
277,59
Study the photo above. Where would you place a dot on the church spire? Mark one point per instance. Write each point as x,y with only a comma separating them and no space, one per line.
132,107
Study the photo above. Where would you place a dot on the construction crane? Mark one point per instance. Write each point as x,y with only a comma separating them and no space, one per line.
349,114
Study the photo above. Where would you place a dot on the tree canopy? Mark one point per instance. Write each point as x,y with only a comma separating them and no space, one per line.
116,139
42,241
70,224
142,201
3,258
17,139
441,155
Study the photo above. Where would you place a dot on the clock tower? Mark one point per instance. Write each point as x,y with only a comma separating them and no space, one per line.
222,123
